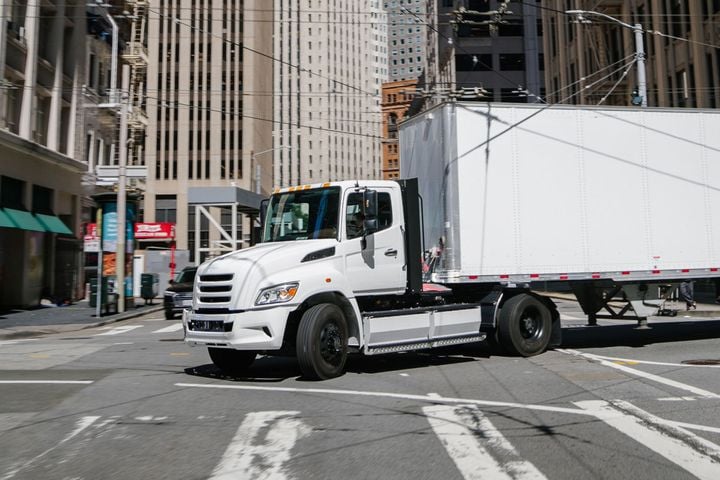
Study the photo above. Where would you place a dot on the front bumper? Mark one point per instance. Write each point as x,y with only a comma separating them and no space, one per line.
261,329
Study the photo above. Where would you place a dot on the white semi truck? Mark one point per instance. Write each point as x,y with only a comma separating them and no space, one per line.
619,205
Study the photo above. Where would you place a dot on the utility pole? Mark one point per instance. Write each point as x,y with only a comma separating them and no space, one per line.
639,47
122,193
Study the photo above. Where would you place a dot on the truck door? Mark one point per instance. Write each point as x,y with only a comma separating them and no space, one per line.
380,267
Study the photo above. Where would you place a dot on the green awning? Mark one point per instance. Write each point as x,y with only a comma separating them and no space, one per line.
53,224
23,220
5,220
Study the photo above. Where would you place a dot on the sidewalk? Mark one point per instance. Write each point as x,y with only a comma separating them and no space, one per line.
15,324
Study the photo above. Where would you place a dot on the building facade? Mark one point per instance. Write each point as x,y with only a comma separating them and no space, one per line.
397,97
494,46
407,38
592,61
332,61
42,73
209,64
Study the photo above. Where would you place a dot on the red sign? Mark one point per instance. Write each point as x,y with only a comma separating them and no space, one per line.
91,231
157,230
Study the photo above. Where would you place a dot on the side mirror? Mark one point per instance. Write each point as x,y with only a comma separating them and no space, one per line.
370,211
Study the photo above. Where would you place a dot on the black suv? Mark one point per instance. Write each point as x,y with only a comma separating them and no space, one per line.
178,295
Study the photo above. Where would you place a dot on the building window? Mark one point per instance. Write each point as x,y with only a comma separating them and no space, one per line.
12,192
512,61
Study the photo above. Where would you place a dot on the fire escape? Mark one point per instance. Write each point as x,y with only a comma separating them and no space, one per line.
135,55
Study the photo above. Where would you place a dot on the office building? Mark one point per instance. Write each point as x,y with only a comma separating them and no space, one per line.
590,57
407,38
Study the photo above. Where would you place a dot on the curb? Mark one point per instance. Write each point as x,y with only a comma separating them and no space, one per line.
29,331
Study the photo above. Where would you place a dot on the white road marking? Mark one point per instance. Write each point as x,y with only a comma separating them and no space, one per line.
690,452
650,362
49,382
360,393
81,425
244,458
119,330
170,328
15,342
469,437
638,373
564,316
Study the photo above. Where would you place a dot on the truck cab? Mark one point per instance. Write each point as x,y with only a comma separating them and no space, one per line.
322,247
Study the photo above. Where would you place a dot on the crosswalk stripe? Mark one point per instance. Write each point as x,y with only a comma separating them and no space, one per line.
698,456
119,330
465,433
170,328
245,458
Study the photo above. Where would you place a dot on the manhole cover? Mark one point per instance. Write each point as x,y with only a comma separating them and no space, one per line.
702,362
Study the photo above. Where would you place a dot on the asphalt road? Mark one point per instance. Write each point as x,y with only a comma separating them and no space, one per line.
131,400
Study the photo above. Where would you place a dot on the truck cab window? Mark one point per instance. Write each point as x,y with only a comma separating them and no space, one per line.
302,215
354,218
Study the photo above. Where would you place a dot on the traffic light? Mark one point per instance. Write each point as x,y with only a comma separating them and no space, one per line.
636,98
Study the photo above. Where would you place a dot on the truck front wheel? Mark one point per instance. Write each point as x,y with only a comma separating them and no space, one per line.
524,325
232,362
322,339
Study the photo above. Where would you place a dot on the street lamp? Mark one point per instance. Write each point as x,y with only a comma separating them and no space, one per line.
253,161
639,48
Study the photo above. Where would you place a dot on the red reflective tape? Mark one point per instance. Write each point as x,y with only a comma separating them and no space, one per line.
564,277
504,276
685,270
534,275
655,272
625,273
713,269
595,275
473,277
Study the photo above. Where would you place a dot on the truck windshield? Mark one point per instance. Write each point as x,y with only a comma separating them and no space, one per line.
302,215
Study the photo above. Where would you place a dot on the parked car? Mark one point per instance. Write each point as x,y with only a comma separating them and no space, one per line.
178,295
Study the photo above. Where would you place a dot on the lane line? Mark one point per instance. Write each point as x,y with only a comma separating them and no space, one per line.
690,452
244,458
638,373
49,382
420,398
171,328
119,330
82,424
465,433
649,362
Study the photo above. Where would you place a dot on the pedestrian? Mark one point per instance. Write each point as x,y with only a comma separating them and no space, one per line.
687,295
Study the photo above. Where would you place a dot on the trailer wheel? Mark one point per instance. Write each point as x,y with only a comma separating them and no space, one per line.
524,325
322,342
232,362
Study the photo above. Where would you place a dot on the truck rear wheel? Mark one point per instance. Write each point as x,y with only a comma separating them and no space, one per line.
232,362
524,325
322,342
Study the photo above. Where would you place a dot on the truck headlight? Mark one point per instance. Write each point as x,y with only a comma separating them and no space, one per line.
277,294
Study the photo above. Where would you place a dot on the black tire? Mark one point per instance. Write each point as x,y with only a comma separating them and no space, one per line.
322,342
524,325
232,362
169,315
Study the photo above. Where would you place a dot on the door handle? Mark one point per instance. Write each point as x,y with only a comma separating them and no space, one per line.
391,252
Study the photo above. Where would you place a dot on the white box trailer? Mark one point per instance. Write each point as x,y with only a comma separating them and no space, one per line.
565,193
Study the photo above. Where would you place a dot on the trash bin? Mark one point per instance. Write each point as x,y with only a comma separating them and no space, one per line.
149,286
106,300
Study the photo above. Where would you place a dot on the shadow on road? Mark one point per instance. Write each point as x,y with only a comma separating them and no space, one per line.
276,369
626,335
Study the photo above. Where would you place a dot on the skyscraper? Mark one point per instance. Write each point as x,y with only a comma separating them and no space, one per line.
332,60
209,61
